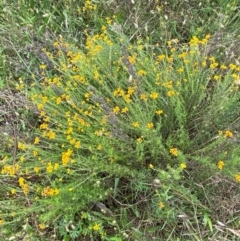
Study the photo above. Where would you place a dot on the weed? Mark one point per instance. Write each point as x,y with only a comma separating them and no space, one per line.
126,138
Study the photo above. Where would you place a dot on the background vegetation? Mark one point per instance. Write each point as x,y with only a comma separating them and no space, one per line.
119,120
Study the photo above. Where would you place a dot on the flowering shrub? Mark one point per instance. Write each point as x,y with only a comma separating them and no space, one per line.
118,110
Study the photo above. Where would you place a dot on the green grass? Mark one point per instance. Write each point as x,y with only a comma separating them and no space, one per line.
120,120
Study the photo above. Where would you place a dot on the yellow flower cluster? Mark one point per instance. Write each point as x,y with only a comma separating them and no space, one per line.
135,124
226,134
161,205
88,7
154,95
66,156
150,125
96,227
195,41
220,165
79,119
94,47
183,166
48,191
126,95
10,170
23,185
174,151
237,177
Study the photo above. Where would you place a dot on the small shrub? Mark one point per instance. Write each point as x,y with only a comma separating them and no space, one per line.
114,111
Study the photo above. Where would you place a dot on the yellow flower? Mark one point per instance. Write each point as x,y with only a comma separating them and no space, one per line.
182,55
77,144
161,205
42,113
237,177
154,95
36,169
228,134
13,191
47,191
40,106
56,191
116,110
131,90
174,151
49,167
213,65
212,59
161,57
180,70
69,130
150,166
87,96
194,41
36,141
150,125
220,165
131,59
127,98
72,141
56,165
58,100
183,165
124,110
51,135
103,28
1,222
25,189
208,36
143,97
21,181
44,99
42,226
159,112
66,157
21,146
232,66
135,124
118,92
43,126
170,93
43,66
140,139
168,84
96,227
141,72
